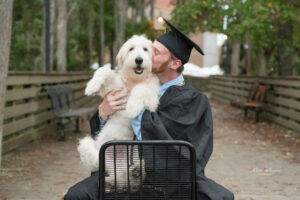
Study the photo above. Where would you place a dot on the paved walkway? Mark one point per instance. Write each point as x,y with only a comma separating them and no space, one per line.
256,162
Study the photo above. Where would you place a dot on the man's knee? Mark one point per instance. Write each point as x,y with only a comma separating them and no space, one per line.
75,193
202,196
84,190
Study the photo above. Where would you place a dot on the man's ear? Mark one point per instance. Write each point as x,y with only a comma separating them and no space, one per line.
176,64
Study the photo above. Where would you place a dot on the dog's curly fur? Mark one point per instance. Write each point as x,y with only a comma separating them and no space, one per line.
134,60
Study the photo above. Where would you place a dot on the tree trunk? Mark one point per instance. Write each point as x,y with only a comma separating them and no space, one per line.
152,9
133,14
285,49
52,31
235,58
123,15
262,61
136,15
91,36
6,7
102,35
117,33
112,56
39,62
249,58
120,8
61,36
141,9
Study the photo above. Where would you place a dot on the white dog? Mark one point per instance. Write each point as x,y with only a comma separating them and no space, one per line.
134,61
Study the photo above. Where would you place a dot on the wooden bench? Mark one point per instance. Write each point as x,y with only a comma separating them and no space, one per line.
64,107
254,101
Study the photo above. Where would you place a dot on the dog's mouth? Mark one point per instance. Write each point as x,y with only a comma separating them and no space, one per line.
138,70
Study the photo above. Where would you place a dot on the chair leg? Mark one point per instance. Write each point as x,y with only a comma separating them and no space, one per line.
77,130
245,112
62,131
63,135
257,115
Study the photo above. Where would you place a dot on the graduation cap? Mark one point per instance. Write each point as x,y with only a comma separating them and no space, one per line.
178,43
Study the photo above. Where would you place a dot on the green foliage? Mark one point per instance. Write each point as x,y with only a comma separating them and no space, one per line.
26,34
259,21
77,45
28,21
297,66
143,27
196,15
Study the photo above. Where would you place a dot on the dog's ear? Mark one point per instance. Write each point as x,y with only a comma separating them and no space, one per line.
119,57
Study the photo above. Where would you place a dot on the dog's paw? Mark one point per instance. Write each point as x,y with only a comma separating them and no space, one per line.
134,112
136,173
88,153
133,109
93,86
109,183
152,108
100,79
151,103
86,142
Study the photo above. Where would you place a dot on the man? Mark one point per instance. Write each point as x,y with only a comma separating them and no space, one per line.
183,114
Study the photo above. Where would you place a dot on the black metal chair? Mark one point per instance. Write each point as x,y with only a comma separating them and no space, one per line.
64,107
147,170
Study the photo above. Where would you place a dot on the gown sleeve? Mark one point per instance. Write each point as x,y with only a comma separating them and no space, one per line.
187,117
95,125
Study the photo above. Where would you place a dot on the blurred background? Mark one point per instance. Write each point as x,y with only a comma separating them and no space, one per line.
239,36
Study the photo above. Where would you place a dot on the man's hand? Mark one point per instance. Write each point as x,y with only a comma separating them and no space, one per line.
129,83
112,102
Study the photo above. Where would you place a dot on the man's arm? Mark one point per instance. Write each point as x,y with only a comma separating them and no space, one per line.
95,125
189,120
113,101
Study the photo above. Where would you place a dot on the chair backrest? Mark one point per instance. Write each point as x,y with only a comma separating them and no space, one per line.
260,95
257,93
252,92
147,170
61,98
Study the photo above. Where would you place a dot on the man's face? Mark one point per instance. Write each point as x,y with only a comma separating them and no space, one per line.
160,57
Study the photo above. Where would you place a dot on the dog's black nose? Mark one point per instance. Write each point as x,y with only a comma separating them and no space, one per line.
139,60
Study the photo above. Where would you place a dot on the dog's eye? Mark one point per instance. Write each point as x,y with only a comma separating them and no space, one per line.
131,49
145,49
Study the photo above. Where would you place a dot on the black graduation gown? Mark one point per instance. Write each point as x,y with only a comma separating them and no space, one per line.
183,114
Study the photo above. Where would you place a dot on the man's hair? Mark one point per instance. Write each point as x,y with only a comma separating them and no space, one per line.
179,69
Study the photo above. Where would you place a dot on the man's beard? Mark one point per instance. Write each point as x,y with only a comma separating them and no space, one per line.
162,68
